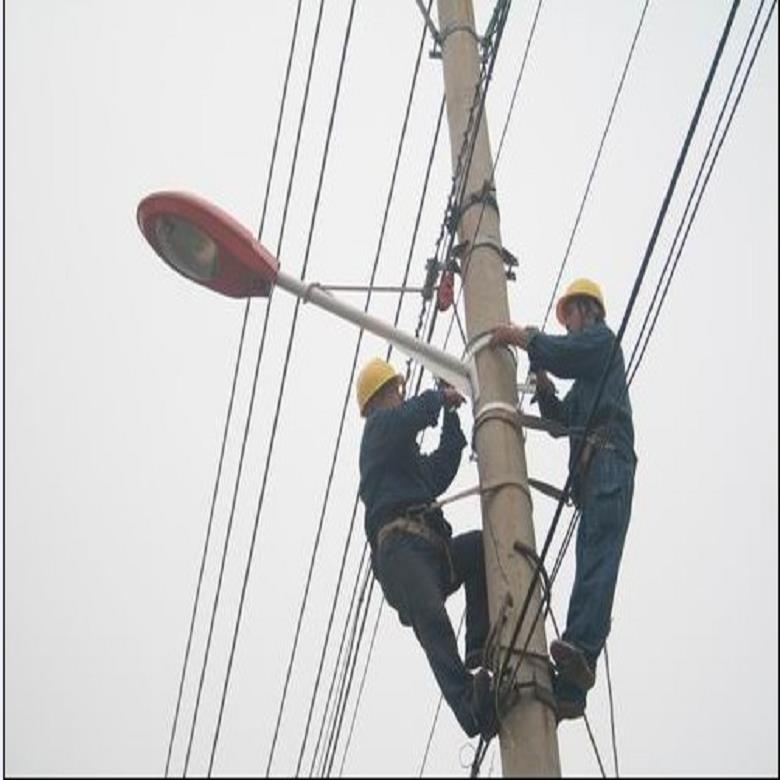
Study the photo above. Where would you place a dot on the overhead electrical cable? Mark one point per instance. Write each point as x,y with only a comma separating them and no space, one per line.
341,667
599,392
325,154
504,130
260,352
269,178
633,364
347,396
326,710
611,710
594,167
438,707
362,685
497,23
631,369
387,358
636,359
491,44
246,432
510,110
347,684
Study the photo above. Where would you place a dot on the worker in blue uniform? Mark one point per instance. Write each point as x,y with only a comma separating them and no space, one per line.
602,468
413,553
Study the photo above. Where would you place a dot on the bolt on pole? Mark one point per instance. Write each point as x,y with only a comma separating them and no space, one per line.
528,738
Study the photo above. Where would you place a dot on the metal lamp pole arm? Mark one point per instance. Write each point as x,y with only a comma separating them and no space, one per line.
456,372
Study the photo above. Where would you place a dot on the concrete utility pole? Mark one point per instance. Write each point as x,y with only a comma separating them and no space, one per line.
529,744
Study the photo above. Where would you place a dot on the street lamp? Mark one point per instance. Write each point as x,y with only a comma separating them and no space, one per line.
205,244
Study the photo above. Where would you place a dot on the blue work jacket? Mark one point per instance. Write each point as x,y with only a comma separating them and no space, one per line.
583,357
394,474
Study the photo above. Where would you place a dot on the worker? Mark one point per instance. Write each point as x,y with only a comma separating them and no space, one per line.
413,553
602,468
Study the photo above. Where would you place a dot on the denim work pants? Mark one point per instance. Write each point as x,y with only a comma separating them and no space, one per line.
416,580
606,511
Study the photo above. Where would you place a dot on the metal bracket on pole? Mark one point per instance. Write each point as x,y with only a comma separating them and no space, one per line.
497,410
486,196
467,28
507,258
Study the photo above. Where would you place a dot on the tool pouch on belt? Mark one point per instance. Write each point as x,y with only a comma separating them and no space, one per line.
418,524
595,441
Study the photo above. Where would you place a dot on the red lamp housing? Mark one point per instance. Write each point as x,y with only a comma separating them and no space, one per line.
205,244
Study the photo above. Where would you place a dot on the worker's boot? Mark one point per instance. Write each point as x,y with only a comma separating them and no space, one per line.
474,659
573,666
483,704
569,700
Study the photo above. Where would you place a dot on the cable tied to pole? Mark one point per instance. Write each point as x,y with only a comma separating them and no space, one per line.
490,43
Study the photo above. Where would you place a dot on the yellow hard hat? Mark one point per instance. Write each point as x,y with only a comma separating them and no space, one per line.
586,287
373,377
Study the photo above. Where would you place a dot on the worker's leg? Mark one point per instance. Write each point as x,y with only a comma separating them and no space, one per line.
413,573
605,515
468,561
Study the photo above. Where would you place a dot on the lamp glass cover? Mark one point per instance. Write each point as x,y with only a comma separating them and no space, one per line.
186,248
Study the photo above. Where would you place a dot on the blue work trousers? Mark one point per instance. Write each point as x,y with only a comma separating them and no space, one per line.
416,579
606,510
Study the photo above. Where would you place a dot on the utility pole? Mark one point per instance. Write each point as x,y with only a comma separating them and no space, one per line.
529,744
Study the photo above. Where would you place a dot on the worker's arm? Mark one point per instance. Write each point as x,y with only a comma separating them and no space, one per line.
442,464
552,407
394,428
573,356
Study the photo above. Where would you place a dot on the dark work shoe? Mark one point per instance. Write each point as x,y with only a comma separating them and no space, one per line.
572,665
483,704
473,659
569,699
570,709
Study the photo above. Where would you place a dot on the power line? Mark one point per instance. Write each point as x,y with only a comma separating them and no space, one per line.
631,372
246,432
362,684
596,162
340,650
346,647
633,365
369,582
259,357
387,357
347,396
635,360
497,22
611,710
518,81
269,178
637,284
490,43
206,543
326,150
438,709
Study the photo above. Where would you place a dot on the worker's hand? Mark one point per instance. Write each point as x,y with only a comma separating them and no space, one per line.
452,398
544,385
519,336
504,335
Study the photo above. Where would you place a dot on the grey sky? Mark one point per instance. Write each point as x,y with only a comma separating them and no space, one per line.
118,373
